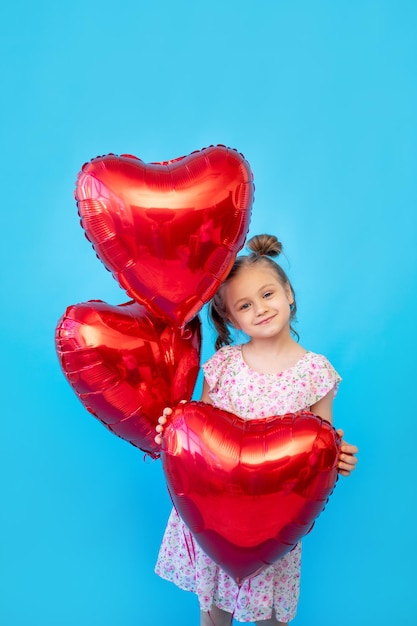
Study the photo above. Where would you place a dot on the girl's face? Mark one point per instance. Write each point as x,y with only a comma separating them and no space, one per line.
257,303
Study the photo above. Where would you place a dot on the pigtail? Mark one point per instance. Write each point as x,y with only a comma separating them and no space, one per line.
264,245
224,337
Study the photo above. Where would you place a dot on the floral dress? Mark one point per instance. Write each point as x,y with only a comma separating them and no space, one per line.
235,387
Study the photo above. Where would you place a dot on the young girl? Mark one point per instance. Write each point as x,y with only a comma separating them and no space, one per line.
271,374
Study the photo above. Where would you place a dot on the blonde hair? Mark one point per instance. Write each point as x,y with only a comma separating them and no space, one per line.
263,249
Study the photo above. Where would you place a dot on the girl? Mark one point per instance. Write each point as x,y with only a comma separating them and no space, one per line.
271,374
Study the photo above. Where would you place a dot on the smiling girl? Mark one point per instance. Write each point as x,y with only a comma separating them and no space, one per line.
270,374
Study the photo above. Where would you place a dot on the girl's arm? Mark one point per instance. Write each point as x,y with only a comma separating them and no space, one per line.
205,393
347,458
323,408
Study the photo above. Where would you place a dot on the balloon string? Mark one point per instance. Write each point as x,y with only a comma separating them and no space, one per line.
189,541
247,602
150,457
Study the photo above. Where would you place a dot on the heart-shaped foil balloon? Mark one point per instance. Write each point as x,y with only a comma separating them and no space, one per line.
125,365
169,232
248,490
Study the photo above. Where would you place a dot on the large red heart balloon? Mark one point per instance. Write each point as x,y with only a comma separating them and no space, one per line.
126,366
248,489
170,231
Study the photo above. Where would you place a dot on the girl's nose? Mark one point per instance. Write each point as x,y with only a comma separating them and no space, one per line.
261,307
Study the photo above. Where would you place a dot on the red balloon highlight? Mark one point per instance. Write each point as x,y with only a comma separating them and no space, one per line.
170,231
125,365
248,490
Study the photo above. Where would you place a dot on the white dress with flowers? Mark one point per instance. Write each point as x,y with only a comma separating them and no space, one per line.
234,387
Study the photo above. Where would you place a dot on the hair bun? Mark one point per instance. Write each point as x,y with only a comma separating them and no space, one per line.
265,245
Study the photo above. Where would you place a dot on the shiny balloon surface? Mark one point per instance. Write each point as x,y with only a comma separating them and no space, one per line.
248,490
125,365
170,231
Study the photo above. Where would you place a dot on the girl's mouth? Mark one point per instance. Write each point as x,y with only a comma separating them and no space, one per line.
265,321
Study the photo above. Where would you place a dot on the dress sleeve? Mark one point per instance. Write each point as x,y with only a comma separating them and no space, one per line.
323,378
218,370
213,368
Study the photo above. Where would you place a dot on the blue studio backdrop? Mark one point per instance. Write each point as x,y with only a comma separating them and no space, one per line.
321,98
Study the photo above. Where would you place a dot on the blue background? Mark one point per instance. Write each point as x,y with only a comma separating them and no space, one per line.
321,98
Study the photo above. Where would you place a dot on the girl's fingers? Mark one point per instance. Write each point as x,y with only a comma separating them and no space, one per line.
344,472
348,459
346,464
349,448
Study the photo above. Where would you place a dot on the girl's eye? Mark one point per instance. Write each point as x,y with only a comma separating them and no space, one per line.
268,294
244,306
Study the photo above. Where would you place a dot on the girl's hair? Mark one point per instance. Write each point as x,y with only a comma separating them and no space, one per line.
264,248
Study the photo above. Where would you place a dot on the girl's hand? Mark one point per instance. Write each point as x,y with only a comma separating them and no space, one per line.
347,458
162,420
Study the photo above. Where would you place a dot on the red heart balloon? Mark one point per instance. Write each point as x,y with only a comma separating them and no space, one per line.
126,366
170,231
248,490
